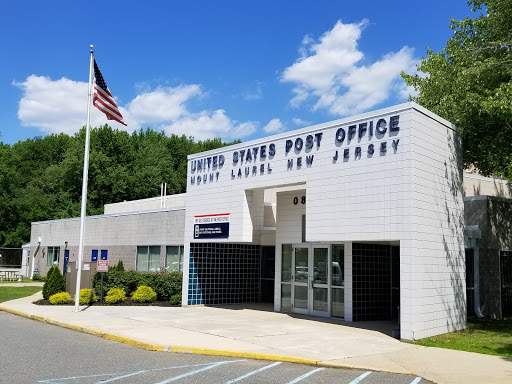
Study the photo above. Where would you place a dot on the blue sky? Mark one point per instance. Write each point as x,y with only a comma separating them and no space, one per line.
230,69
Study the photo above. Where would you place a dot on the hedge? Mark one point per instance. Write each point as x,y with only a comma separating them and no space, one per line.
165,285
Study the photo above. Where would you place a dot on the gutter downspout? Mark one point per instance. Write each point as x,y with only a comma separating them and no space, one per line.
34,259
476,268
471,235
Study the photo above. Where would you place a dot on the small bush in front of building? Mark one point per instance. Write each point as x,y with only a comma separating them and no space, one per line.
54,282
176,299
87,297
144,294
60,298
115,296
120,266
37,278
166,285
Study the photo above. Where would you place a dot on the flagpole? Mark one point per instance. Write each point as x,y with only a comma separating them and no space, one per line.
84,189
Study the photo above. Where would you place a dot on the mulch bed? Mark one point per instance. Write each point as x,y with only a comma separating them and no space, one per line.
128,302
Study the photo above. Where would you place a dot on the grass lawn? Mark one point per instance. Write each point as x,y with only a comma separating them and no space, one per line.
11,293
491,337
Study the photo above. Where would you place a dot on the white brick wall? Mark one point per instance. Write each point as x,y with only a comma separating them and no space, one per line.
409,195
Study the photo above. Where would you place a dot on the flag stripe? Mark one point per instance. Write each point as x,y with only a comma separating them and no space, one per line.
107,107
110,116
105,94
103,99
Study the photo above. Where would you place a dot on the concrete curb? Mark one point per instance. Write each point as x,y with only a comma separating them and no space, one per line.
191,350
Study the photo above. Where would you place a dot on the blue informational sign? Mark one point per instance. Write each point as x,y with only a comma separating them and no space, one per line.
211,231
94,256
66,259
214,226
104,254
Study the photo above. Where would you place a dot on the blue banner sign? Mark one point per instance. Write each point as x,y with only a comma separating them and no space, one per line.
211,226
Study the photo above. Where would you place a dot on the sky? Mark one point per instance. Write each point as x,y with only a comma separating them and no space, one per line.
224,68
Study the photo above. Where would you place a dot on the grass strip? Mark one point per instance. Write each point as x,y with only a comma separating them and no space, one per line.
11,293
490,337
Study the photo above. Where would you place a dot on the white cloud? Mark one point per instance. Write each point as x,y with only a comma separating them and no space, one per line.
274,126
162,104
329,72
207,125
56,106
300,122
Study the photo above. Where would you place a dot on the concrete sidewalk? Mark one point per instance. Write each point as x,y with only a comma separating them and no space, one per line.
262,334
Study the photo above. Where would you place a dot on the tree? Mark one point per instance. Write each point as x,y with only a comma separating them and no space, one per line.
54,282
469,83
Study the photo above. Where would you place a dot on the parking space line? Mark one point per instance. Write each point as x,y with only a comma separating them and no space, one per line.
358,379
252,373
57,381
416,380
121,377
300,378
193,372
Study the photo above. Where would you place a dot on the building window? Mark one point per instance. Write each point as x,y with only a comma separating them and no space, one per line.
174,258
148,259
52,255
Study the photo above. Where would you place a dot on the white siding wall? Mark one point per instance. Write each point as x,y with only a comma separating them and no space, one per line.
411,195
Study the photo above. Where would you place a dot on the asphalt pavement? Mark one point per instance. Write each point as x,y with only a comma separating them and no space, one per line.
259,333
64,356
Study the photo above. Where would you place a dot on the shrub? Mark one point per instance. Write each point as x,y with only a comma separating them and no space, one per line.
166,285
176,299
87,297
115,296
60,298
37,278
120,266
54,282
144,294
129,281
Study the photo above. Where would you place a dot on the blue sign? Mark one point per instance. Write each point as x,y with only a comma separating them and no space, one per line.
66,259
211,231
104,254
94,256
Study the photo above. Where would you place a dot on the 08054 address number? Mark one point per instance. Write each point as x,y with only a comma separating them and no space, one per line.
302,200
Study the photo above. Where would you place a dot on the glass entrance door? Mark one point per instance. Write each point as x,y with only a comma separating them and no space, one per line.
300,289
310,280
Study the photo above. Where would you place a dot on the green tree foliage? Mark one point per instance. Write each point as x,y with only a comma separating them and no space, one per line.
41,178
120,266
470,84
54,282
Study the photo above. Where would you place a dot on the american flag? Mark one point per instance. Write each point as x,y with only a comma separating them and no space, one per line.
103,99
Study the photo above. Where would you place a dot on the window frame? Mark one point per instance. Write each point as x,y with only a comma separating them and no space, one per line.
55,253
181,252
147,260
